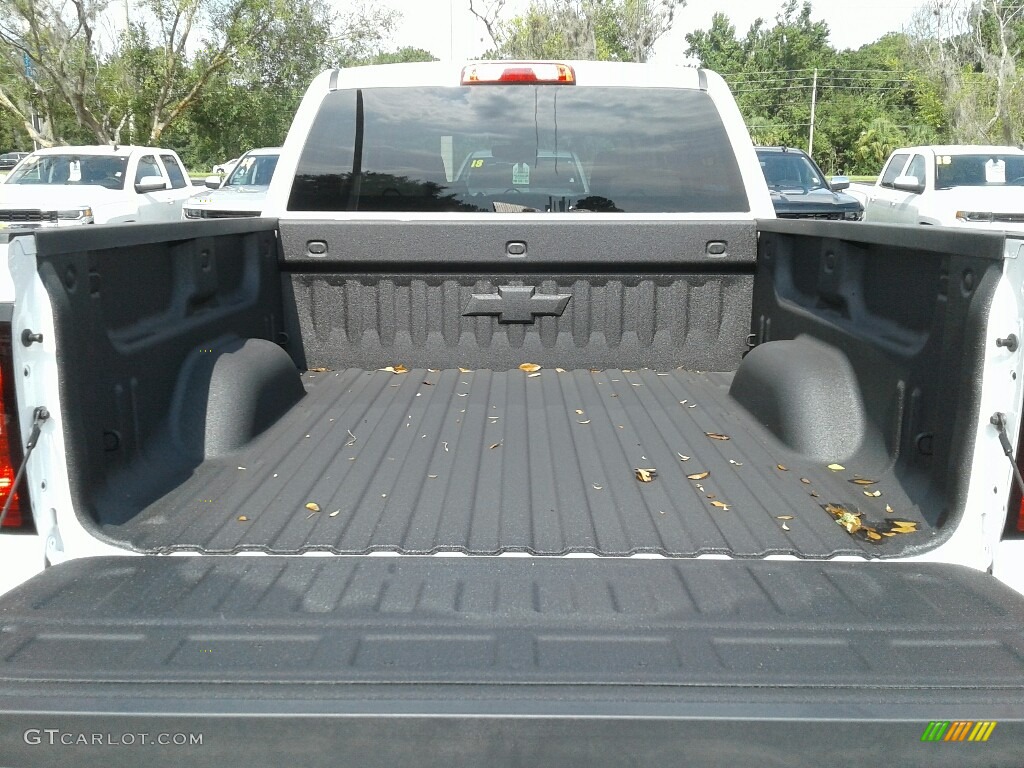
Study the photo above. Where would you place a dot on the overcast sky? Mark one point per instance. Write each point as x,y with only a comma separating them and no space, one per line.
446,28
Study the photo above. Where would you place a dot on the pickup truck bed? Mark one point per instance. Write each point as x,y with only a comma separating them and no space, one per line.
485,462
190,429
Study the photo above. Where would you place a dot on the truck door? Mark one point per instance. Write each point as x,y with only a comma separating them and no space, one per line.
906,206
181,186
882,200
155,205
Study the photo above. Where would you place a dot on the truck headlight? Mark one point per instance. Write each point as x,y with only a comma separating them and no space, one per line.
853,215
192,213
987,216
81,215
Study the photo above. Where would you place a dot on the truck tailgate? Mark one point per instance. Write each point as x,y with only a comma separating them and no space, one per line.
509,661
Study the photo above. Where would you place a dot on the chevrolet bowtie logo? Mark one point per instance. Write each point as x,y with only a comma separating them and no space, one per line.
517,304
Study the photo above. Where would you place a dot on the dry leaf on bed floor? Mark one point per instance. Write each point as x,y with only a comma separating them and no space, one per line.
836,467
395,369
316,370
720,505
716,436
698,476
863,481
645,475
781,468
529,367
313,506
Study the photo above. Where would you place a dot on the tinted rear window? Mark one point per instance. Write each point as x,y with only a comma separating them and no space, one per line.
543,147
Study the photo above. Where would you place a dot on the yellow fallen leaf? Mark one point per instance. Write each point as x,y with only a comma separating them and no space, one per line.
836,467
873,535
465,370
529,367
645,475
716,436
243,519
720,505
579,411
682,457
862,481
849,521
559,370
698,476
335,513
903,526
395,369
317,370
781,467
313,506
873,494
783,517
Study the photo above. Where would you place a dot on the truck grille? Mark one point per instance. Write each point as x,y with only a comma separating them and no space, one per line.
830,216
28,216
203,214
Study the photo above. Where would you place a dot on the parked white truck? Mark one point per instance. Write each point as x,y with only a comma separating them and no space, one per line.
576,458
976,187
67,186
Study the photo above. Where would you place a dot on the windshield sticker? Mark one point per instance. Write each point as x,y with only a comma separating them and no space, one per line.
995,172
520,173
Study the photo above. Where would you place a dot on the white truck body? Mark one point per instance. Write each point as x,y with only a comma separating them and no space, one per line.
71,186
966,186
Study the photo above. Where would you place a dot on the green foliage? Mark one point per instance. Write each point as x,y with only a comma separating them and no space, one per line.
775,68
603,30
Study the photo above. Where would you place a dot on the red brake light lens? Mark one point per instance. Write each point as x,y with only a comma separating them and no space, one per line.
18,516
541,73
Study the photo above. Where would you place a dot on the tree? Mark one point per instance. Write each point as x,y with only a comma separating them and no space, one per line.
971,51
171,53
616,30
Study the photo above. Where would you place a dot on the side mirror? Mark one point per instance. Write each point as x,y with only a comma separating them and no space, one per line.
213,182
839,183
150,184
909,184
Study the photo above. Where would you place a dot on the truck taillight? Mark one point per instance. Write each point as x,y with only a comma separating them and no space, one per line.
529,72
19,516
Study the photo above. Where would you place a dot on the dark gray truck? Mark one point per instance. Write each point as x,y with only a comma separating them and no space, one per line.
520,435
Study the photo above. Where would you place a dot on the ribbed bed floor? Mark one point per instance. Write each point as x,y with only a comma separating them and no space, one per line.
483,462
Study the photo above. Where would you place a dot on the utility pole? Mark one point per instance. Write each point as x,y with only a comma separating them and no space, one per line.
814,102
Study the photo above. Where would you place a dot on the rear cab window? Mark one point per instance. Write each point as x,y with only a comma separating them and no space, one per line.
174,172
510,148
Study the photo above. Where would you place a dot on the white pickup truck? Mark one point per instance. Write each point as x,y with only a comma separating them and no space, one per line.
579,458
980,187
64,186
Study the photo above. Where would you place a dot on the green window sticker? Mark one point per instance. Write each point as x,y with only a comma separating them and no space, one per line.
521,173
